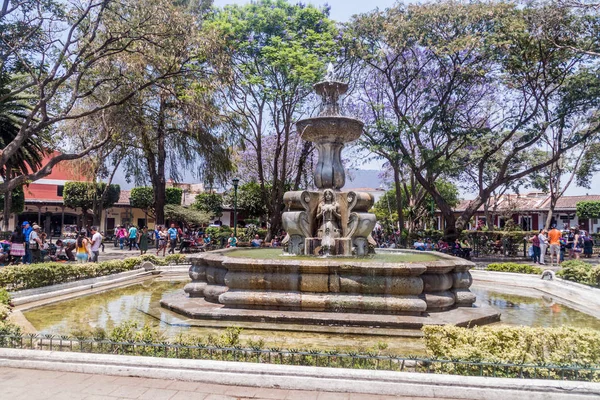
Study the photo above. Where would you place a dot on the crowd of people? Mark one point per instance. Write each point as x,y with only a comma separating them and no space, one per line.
570,243
29,245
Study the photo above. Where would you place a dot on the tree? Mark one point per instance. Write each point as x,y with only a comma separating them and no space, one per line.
249,199
210,203
142,198
175,126
454,88
186,215
419,214
13,111
588,209
70,51
173,196
91,196
277,51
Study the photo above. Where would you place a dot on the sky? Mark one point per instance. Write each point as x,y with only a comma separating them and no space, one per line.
341,10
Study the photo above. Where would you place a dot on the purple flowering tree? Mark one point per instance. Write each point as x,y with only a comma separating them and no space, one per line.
468,92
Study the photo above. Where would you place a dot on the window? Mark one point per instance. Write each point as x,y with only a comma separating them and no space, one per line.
59,190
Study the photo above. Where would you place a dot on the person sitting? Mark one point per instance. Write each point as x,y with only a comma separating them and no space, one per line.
443,246
466,249
419,246
256,242
275,242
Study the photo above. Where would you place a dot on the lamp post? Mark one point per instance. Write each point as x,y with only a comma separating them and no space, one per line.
235,181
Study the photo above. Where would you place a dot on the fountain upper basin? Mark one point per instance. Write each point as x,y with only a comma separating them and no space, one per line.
336,129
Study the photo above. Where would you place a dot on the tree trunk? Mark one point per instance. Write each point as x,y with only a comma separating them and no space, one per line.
553,201
397,185
7,207
160,180
452,230
306,150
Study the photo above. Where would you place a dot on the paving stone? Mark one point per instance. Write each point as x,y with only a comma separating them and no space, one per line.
220,397
68,395
157,394
184,395
333,396
184,386
127,391
211,388
242,391
302,395
265,393
100,388
155,383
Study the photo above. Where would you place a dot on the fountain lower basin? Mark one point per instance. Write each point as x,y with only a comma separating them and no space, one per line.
336,284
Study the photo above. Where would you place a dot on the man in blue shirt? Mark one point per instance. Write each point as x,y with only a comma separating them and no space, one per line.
172,233
26,232
133,237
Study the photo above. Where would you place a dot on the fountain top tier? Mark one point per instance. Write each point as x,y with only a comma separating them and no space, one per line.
330,126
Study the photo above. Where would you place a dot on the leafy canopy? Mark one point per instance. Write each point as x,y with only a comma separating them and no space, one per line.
84,194
210,203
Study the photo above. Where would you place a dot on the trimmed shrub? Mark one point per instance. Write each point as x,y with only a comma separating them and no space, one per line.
514,345
37,275
514,267
580,272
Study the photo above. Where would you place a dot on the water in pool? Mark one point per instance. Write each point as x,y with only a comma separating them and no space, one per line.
135,303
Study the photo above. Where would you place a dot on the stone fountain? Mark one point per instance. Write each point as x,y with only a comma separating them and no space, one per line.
327,268
328,221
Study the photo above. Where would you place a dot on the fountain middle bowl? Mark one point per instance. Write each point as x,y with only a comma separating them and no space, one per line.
337,129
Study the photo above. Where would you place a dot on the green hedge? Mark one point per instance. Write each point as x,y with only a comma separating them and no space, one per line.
514,267
37,275
581,272
513,345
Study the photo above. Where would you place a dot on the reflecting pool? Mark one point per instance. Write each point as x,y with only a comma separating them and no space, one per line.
140,303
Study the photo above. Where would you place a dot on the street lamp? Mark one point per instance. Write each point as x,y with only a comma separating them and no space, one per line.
235,181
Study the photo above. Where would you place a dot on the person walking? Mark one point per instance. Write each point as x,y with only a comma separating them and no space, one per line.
132,237
83,251
162,241
35,244
554,238
121,235
143,241
17,246
543,245
96,243
26,232
172,234
157,236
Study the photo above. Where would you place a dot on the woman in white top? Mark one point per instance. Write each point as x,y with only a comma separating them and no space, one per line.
543,245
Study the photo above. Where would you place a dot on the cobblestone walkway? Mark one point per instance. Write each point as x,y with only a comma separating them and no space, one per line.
29,384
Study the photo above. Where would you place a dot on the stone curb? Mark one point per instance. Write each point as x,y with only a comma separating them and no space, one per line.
46,292
301,378
581,297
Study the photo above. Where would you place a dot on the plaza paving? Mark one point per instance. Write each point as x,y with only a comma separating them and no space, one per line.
30,384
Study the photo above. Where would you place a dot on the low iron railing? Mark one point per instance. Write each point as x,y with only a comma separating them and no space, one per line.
298,357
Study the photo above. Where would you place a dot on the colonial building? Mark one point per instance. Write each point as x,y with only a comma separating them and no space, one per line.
530,211
44,205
